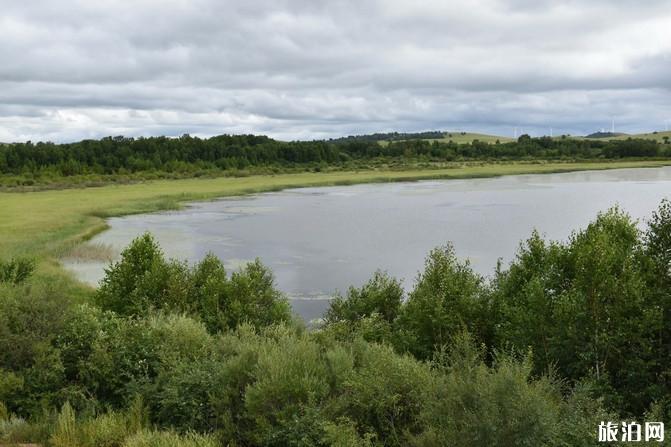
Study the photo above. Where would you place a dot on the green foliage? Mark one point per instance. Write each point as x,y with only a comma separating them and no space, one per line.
384,394
65,434
16,430
473,405
447,298
16,270
143,281
250,297
109,429
121,159
657,261
169,439
658,241
31,370
569,334
589,293
291,382
138,282
344,434
382,295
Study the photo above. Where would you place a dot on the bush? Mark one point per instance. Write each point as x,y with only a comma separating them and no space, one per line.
382,295
14,429
16,270
589,307
447,298
473,405
31,371
143,281
169,439
290,384
384,394
138,281
105,430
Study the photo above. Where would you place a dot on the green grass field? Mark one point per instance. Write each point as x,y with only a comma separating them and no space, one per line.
469,137
659,136
45,223
465,138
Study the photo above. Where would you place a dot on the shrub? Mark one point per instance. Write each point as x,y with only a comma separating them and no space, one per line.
251,298
143,281
16,270
138,281
290,384
383,395
104,430
589,307
65,434
16,430
169,439
473,405
382,295
447,298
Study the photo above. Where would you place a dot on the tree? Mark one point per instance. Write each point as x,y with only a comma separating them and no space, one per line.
584,308
447,298
143,281
137,282
380,295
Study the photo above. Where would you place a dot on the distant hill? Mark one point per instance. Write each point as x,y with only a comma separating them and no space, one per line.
469,137
606,135
434,135
391,136
661,137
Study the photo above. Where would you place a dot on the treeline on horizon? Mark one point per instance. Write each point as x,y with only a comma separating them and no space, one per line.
122,155
166,354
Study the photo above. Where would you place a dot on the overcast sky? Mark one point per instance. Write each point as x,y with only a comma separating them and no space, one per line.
299,69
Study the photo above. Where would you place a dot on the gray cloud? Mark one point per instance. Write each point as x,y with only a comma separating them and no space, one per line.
305,69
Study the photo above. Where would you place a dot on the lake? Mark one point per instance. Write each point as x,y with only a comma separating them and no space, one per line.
321,240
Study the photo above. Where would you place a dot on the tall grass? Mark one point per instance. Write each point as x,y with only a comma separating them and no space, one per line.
89,251
169,439
110,429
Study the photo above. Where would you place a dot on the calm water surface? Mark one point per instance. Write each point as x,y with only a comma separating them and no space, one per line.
319,240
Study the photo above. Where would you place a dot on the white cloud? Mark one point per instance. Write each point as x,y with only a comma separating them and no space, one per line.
303,69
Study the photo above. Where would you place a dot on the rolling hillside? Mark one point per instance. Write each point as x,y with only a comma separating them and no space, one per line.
469,137
463,138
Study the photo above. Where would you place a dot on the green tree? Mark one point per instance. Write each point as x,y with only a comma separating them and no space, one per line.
143,281
447,298
137,282
381,295
584,308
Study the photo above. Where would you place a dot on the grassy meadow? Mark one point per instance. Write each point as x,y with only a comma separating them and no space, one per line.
657,136
469,137
465,138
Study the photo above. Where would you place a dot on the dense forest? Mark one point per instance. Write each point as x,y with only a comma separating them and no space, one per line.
27,163
168,354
